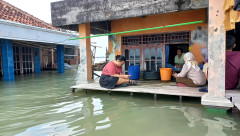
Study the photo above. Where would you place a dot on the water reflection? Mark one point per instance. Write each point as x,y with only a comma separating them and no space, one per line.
193,115
97,106
217,125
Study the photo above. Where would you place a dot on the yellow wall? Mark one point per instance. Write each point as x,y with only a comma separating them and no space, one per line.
161,20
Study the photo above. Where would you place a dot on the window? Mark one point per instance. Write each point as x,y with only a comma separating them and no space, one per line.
1,71
132,40
157,38
70,52
27,60
153,58
177,37
159,58
147,59
16,59
137,57
132,57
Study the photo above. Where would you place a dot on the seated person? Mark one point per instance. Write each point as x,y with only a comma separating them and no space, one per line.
204,53
205,70
232,64
191,75
178,60
112,74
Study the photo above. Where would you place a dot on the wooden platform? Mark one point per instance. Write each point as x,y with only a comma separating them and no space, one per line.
150,87
158,87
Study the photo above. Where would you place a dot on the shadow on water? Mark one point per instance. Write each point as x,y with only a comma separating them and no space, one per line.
43,104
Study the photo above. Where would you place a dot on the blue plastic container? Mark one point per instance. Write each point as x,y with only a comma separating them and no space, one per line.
134,71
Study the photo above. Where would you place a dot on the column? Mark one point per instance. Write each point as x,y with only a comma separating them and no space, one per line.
60,58
37,62
7,60
52,51
216,58
85,68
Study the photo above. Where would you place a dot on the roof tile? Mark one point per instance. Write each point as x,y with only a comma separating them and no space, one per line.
12,13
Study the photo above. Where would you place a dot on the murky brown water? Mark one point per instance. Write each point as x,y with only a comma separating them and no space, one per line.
43,105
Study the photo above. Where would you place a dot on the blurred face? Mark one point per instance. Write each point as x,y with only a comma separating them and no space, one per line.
179,53
120,63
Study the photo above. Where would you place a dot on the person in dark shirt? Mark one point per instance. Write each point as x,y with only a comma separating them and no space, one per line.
232,64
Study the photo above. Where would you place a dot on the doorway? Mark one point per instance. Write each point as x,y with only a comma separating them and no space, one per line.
173,51
149,51
149,57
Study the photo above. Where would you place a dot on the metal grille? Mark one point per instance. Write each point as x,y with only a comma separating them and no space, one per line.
1,71
177,37
132,40
169,38
16,59
27,60
149,39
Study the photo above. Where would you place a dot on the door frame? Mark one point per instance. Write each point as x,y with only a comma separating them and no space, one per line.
155,46
142,48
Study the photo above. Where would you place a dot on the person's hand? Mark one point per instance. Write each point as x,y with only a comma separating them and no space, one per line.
177,66
174,75
127,76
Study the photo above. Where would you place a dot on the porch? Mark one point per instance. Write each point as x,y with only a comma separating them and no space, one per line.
157,87
154,87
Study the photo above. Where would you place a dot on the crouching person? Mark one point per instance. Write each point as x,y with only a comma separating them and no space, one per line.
112,75
191,75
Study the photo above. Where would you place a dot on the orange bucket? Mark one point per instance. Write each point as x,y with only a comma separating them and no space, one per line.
166,74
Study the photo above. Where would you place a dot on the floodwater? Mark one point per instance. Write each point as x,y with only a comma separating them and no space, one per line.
43,105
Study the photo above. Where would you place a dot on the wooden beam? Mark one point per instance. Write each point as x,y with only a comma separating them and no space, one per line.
85,53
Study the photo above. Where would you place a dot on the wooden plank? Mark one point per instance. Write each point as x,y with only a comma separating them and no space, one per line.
160,88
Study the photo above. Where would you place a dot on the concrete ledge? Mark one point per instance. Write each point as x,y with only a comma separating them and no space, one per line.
216,102
71,12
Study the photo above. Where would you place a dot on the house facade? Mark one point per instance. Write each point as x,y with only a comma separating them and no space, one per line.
153,49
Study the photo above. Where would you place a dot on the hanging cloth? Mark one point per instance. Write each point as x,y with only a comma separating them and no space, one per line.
231,16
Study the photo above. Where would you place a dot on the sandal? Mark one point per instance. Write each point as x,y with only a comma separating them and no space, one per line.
132,82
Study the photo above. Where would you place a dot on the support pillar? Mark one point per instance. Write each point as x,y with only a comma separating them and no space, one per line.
7,60
215,97
60,58
52,58
37,62
85,68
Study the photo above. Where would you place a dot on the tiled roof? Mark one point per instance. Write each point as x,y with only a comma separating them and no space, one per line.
12,13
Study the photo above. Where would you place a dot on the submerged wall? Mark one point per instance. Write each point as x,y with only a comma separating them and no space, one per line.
198,38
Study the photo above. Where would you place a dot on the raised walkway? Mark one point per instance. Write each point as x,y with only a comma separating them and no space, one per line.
158,88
